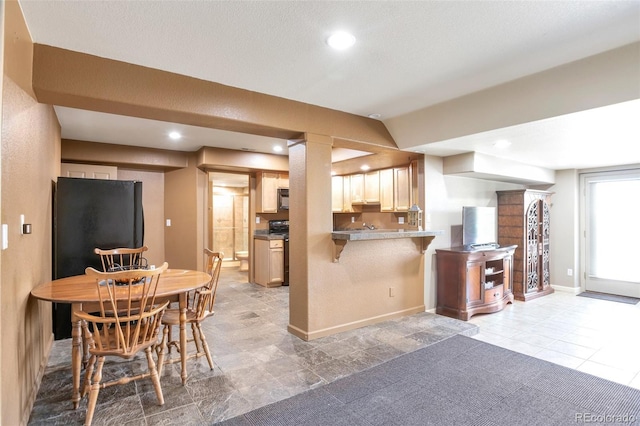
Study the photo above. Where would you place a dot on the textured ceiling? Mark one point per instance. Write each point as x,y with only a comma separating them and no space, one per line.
408,54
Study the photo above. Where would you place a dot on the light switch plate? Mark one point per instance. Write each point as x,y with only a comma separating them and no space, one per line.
5,236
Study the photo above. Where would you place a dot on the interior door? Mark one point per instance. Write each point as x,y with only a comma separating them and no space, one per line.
611,230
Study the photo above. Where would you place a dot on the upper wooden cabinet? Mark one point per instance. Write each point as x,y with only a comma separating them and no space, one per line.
267,184
337,194
402,189
387,203
357,188
372,187
392,188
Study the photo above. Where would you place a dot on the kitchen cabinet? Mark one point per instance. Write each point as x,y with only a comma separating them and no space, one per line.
395,189
387,192
269,262
473,282
357,188
337,194
372,187
524,219
401,189
267,184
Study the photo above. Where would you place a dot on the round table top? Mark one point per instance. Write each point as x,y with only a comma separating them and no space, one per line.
82,288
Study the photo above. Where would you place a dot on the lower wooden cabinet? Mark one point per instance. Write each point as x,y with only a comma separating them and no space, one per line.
473,282
269,262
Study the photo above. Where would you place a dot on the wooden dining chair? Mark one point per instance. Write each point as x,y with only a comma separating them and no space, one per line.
128,322
122,258
200,307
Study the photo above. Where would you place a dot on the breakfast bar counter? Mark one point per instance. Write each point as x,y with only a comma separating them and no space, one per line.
340,238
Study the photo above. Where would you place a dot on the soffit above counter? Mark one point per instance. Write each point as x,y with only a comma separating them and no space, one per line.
482,166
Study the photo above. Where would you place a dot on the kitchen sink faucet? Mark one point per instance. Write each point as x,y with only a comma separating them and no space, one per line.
368,226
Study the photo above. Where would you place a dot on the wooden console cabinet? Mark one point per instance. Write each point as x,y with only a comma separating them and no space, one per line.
473,282
523,219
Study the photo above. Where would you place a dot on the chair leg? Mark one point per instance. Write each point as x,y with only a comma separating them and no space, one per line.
155,378
167,329
196,339
204,345
86,385
162,350
95,389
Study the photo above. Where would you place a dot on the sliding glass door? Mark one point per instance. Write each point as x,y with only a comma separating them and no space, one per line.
611,228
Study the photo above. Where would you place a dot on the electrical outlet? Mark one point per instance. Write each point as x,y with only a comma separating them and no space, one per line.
168,222
353,219
401,220
392,291
570,272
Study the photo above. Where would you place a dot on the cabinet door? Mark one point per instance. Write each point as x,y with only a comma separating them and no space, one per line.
386,190
507,267
372,187
402,188
475,283
276,265
337,194
357,188
267,192
346,201
261,261
283,180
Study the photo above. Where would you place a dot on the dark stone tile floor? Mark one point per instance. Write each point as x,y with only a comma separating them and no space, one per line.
257,362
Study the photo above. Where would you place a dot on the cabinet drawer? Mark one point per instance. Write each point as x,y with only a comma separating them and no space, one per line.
276,243
494,293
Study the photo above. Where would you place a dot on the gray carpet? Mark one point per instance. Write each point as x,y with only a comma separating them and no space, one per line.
609,297
459,381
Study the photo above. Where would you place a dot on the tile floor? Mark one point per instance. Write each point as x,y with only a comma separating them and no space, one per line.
598,337
258,362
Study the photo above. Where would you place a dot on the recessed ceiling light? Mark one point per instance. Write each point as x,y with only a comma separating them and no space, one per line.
277,148
175,135
341,40
375,115
502,143
364,167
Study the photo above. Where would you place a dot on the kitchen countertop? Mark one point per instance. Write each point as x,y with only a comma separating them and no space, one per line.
262,236
381,234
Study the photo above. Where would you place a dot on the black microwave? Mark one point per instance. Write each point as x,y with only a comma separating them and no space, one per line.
283,199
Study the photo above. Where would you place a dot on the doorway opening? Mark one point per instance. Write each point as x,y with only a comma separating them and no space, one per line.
229,217
611,231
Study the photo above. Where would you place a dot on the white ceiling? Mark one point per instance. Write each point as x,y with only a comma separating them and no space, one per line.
408,55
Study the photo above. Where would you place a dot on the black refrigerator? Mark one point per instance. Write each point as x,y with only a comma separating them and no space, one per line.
90,213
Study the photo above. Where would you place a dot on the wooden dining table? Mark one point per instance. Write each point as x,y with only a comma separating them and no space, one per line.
82,293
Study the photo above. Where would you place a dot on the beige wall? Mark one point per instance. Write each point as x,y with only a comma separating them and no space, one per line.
185,199
445,197
30,163
153,207
565,225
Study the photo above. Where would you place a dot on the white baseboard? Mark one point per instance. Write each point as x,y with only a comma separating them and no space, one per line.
564,289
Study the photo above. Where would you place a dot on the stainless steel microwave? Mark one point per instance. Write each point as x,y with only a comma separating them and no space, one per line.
283,199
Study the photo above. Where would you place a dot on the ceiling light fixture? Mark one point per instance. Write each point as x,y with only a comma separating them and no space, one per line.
175,135
364,167
374,115
341,40
277,148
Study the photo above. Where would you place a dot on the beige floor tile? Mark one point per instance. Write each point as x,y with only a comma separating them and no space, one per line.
567,348
559,358
607,372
